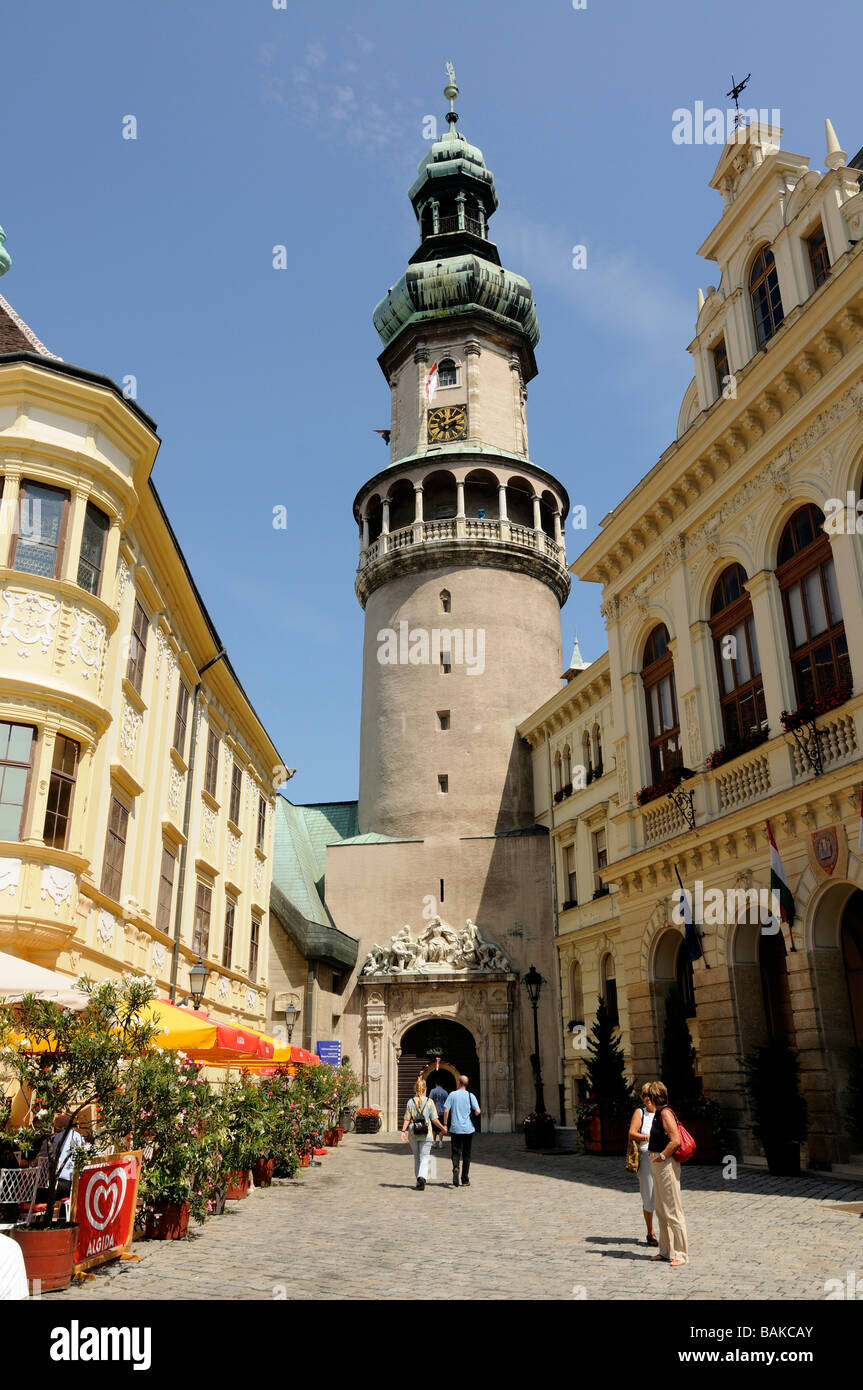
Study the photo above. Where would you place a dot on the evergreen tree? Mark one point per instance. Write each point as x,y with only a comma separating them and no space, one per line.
854,1095
678,1053
606,1066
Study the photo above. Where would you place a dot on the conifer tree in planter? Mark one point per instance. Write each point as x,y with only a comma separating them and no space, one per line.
603,1119
64,1062
772,1087
854,1095
703,1117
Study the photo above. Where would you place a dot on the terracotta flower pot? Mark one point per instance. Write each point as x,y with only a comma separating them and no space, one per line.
238,1186
606,1136
339,1132
49,1255
706,1143
168,1221
305,1158
263,1172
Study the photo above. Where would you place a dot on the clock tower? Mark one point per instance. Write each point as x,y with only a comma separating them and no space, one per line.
462,574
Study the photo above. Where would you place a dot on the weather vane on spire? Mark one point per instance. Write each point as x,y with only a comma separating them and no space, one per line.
736,89
450,91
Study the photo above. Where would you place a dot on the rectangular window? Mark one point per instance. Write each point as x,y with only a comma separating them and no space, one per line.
165,903
92,549
819,260
236,789
571,880
181,718
228,943
211,773
446,662
443,783
64,766
262,822
720,366
600,859
137,648
254,947
115,850
443,719
16,759
39,545
201,928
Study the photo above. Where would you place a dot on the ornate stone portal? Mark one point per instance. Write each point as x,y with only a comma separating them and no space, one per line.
448,975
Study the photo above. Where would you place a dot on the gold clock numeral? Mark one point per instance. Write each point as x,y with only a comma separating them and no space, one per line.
446,423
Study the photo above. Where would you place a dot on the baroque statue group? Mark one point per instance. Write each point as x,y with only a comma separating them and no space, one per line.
439,947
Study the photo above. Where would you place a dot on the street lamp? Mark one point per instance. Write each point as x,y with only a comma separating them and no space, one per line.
198,977
534,983
292,1013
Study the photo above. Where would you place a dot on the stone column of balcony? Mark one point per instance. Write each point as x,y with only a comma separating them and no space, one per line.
537,517
365,532
504,517
460,518
418,513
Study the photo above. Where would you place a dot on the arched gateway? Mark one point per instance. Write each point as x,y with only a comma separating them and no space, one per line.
447,994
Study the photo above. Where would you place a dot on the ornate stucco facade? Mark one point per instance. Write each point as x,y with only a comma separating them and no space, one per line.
730,521
108,715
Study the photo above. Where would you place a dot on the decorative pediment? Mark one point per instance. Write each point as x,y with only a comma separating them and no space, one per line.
439,949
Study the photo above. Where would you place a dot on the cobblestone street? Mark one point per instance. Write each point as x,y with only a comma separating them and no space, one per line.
529,1226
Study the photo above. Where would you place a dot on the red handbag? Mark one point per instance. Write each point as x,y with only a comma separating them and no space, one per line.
686,1147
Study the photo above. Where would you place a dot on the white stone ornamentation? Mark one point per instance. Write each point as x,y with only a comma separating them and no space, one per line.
159,954
105,927
259,874
130,724
224,987
88,643
233,849
57,884
175,788
30,619
208,825
10,875
251,999
122,581
439,949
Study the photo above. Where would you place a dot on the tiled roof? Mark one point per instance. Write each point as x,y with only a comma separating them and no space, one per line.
15,336
299,852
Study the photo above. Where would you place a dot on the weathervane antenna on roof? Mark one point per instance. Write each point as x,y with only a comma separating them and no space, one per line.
736,89
450,91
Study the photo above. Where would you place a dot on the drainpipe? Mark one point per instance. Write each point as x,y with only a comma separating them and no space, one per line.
187,816
561,1085
309,1012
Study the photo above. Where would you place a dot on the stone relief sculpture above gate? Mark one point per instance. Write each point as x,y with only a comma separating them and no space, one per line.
440,948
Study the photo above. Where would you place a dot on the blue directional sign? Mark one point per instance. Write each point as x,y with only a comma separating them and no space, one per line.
330,1052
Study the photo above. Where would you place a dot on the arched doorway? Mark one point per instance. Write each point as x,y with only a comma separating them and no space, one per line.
441,1037
852,956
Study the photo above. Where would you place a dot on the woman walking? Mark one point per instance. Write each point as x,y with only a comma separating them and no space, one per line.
639,1132
420,1116
664,1140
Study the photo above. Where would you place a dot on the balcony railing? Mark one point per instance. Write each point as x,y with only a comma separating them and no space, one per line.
451,224
469,528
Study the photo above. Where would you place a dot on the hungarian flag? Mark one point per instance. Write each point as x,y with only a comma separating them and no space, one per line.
779,882
691,939
860,831
431,383
385,435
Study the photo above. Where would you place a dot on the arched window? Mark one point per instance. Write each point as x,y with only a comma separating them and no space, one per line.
374,515
402,500
685,979
567,767
764,296
608,986
663,725
586,758
813,615
447,372
597,751
738,666
558,779
576,994
445,601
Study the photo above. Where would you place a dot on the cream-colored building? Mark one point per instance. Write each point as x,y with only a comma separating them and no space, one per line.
133,765
729,601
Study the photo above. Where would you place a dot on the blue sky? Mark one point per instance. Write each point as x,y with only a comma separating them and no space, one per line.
303,127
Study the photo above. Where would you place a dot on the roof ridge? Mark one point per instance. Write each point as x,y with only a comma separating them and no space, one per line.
24,330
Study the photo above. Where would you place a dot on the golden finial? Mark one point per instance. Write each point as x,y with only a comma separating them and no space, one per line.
450,91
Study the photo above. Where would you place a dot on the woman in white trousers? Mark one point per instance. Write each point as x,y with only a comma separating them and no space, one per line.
639,1130
420,1109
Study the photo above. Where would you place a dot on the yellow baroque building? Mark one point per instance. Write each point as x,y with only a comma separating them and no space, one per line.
732,589
137,793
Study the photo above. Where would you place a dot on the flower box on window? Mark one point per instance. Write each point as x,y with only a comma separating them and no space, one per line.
567,791
665,785
558,796
810,710
736,747
570,902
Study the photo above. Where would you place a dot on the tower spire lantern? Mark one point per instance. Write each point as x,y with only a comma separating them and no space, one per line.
450,91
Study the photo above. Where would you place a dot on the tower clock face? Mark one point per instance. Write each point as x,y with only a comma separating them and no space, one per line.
446,423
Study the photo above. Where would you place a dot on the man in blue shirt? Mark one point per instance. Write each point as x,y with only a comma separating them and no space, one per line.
438,1098
460,1105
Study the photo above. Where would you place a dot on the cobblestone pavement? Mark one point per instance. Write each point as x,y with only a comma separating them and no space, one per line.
530,1226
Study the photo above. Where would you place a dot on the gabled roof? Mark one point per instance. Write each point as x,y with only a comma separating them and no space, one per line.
16,336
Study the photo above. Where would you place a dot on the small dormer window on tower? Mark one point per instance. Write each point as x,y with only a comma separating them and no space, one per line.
764,296
447,372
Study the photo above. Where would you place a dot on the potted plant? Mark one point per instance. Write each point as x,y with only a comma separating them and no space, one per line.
169,1111
65,1061
539,1130
772,1087
603,1119
367,1120
244,1133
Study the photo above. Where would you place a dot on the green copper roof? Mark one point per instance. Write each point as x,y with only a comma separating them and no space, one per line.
5,258
457,285
451,157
